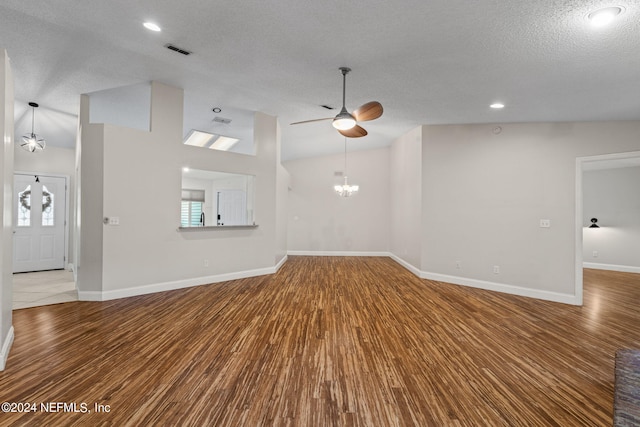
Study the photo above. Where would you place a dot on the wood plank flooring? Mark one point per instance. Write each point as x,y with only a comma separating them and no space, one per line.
326,341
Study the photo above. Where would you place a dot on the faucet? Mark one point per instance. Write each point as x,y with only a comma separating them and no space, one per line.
202,219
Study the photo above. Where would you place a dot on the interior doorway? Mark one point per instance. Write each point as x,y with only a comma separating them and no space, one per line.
589,163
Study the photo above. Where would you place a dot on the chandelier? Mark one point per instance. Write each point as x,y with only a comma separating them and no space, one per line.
346,190
30,141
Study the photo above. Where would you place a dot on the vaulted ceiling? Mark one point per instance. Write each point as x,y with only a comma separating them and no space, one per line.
435,62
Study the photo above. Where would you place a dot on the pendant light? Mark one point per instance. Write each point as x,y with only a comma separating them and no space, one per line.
346,190
30,141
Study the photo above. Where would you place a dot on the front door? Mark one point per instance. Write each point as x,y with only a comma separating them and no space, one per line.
38,222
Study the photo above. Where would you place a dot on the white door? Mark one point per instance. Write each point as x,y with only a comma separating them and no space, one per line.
232,207
39,222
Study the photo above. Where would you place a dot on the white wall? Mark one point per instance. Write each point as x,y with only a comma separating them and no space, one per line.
52,160
613,197
6,208
141,185
320,221
406,198
122,106
485,190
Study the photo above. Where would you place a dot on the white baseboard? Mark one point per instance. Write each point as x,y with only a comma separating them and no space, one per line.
281,262
176,284
490,286
612,267
416,271
4,350
337,253
456,280
502,287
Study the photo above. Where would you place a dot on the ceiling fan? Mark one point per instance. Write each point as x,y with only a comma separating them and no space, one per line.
347,123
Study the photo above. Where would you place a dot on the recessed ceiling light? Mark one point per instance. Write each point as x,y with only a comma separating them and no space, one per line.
151,26
604,16
497,105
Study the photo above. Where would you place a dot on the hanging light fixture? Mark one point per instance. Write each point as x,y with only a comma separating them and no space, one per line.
30,141
346,190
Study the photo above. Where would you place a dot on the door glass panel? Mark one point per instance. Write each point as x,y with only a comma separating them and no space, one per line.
24,207
47,207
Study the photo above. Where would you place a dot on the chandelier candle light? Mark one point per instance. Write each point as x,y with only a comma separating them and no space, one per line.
345,190
30,141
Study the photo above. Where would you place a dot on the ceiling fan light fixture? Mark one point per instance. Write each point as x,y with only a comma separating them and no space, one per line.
344,120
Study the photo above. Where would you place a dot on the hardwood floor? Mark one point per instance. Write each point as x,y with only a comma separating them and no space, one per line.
326,342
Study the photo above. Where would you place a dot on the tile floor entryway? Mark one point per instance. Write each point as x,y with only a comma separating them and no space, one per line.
43,288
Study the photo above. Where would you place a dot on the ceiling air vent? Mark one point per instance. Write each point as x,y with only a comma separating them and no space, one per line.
177,49
221,120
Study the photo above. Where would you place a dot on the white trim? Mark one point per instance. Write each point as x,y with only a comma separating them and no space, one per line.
490,286
176,284
6,346
612,267
577,227
416,271
474,283
504,288
281,263
337,253
205,280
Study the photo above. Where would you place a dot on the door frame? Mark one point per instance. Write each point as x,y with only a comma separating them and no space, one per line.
67,180
580,162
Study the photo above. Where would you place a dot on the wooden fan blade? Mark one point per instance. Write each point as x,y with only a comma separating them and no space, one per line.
310,121
354,132
369,111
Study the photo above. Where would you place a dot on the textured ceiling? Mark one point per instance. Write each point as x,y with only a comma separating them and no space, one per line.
436,62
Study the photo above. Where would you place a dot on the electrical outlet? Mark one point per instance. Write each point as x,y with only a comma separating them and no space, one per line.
595,254
458,265
496,269
545,223
206,263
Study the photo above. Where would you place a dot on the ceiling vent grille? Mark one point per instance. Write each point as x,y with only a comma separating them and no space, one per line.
177,49
221,120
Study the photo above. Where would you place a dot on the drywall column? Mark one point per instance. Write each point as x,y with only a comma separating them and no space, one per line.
89,184
406,199
6,208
